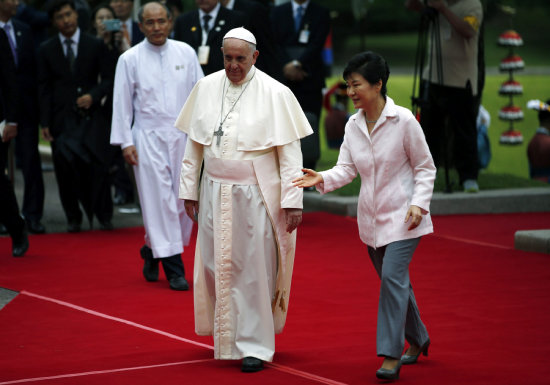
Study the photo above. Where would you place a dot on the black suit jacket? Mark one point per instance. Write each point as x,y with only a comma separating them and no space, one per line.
8,86
317,21
26,73
188,28
137,35
257,22
59,88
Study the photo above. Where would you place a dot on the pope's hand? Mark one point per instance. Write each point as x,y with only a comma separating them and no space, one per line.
309,179
293,219
130,155
192,209
415,214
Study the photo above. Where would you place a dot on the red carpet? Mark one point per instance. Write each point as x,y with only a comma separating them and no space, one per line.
85,315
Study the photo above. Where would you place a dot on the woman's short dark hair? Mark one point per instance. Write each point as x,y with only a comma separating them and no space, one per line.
56,6
371,66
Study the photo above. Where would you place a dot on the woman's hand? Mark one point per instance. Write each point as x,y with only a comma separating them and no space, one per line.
309,179
293,219
415,214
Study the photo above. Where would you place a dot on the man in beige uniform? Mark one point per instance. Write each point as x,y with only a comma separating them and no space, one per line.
246,127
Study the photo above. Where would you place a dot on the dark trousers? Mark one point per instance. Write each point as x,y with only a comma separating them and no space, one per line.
84,182
28,160
9,210
311,102
453,108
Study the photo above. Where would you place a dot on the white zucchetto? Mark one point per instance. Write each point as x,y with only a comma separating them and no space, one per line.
242,34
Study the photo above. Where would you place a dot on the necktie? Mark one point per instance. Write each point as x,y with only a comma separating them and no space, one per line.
70,53
206,25
126,35
298,18
7,28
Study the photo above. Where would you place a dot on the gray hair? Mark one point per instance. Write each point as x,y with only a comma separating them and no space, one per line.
252,46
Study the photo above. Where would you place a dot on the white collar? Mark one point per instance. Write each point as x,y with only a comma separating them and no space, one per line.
75,38
230,4
213,13
295,6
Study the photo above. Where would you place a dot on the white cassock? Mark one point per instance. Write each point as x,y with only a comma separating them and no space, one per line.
152,84
244,256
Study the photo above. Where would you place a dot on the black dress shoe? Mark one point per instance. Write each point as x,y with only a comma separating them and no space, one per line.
252,364
35,227
150,265
389,374
179,283
20,244
73,227
106,225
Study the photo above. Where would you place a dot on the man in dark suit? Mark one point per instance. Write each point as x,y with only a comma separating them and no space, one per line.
300,29
130,28
9,211
26,144
257,22
69,66
204,29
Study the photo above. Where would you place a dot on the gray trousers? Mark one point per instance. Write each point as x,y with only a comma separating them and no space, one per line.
398,316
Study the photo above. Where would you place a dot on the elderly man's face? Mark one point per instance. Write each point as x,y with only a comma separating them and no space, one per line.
206,5
238,58
156,25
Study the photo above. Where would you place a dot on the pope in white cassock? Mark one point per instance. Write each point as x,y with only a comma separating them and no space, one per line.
245,127
152,81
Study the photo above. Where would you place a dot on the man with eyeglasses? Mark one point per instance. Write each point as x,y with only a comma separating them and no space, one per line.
152,82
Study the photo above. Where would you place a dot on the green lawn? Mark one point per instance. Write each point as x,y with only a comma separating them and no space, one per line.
508,167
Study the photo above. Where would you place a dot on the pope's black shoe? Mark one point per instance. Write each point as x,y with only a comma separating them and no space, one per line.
252,364
150,265
178,283
20,244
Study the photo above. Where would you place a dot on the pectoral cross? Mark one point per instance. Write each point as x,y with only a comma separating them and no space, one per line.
219,134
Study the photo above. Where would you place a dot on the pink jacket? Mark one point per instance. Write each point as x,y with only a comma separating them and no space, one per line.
396,169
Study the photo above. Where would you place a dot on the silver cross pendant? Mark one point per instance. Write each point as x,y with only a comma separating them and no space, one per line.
219,134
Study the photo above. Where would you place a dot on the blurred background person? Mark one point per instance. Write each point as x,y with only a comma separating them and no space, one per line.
27,156
451,97
109,29
538,150
73,78
300,29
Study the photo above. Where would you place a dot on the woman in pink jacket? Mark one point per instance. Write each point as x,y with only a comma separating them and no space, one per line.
385,144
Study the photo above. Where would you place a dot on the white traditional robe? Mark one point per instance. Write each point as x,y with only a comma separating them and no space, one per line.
244,256
152,84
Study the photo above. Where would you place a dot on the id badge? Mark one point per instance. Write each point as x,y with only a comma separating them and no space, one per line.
304,36
203,54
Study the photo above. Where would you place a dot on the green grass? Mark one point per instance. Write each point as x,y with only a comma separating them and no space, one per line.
508,167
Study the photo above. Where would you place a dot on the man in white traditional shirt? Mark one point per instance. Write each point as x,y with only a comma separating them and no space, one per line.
246,128
152,82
